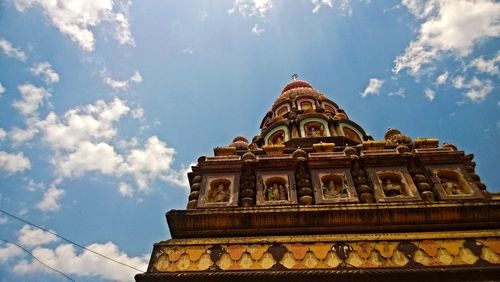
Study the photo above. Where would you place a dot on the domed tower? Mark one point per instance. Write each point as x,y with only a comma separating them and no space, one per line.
314,197
302,116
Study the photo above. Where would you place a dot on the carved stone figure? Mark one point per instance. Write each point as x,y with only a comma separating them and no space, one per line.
450,187
392,189
277,138
312,132
220,194
334,190
394,136
276,192
315,131
283,192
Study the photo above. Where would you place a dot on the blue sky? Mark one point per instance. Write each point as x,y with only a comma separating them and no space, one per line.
104,105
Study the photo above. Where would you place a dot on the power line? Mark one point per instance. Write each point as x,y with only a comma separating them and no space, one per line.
71,242
31,254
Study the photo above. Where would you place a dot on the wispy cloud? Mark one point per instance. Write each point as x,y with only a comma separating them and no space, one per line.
442,78
45,69
136,78
10,51
400,92
188,50
32,98
373,87
249,8
490,66
78,19
343,5
430,94
2,89
14,162
449,27
50,200
256,30
476,89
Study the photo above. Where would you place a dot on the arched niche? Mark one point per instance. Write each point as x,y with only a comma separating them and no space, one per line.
392,183
314,127
330,108
282,110
306,104
219,190
351,133
276,189
278,135
453,182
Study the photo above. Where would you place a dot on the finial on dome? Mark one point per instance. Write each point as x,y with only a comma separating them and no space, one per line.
295,76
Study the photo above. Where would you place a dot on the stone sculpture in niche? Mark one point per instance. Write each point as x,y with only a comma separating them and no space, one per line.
450,181
334,186
450,187
276,189
314,129
392,184
219,191
277,138
392,189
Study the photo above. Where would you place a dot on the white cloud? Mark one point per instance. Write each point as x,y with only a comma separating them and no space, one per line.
138,113
10,51
487,66
2,134
14,162
9,251
249,8
430,94
256,30
400,93
78,18
477,89
32,237
152,162
450,26
32,98
188,50
2,89
87,157
93,122
125,190
442,78
84,264
49,202
83,142
373,88
20,136
421,8
45,69
136,78
320,3
344,5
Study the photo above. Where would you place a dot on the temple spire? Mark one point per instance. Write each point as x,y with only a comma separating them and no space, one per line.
295,76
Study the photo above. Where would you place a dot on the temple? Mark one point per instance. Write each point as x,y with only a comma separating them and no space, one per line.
314,197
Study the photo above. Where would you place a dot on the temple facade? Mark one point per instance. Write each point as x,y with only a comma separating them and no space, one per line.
314,197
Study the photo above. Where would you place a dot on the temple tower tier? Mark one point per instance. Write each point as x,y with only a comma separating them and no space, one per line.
314,197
